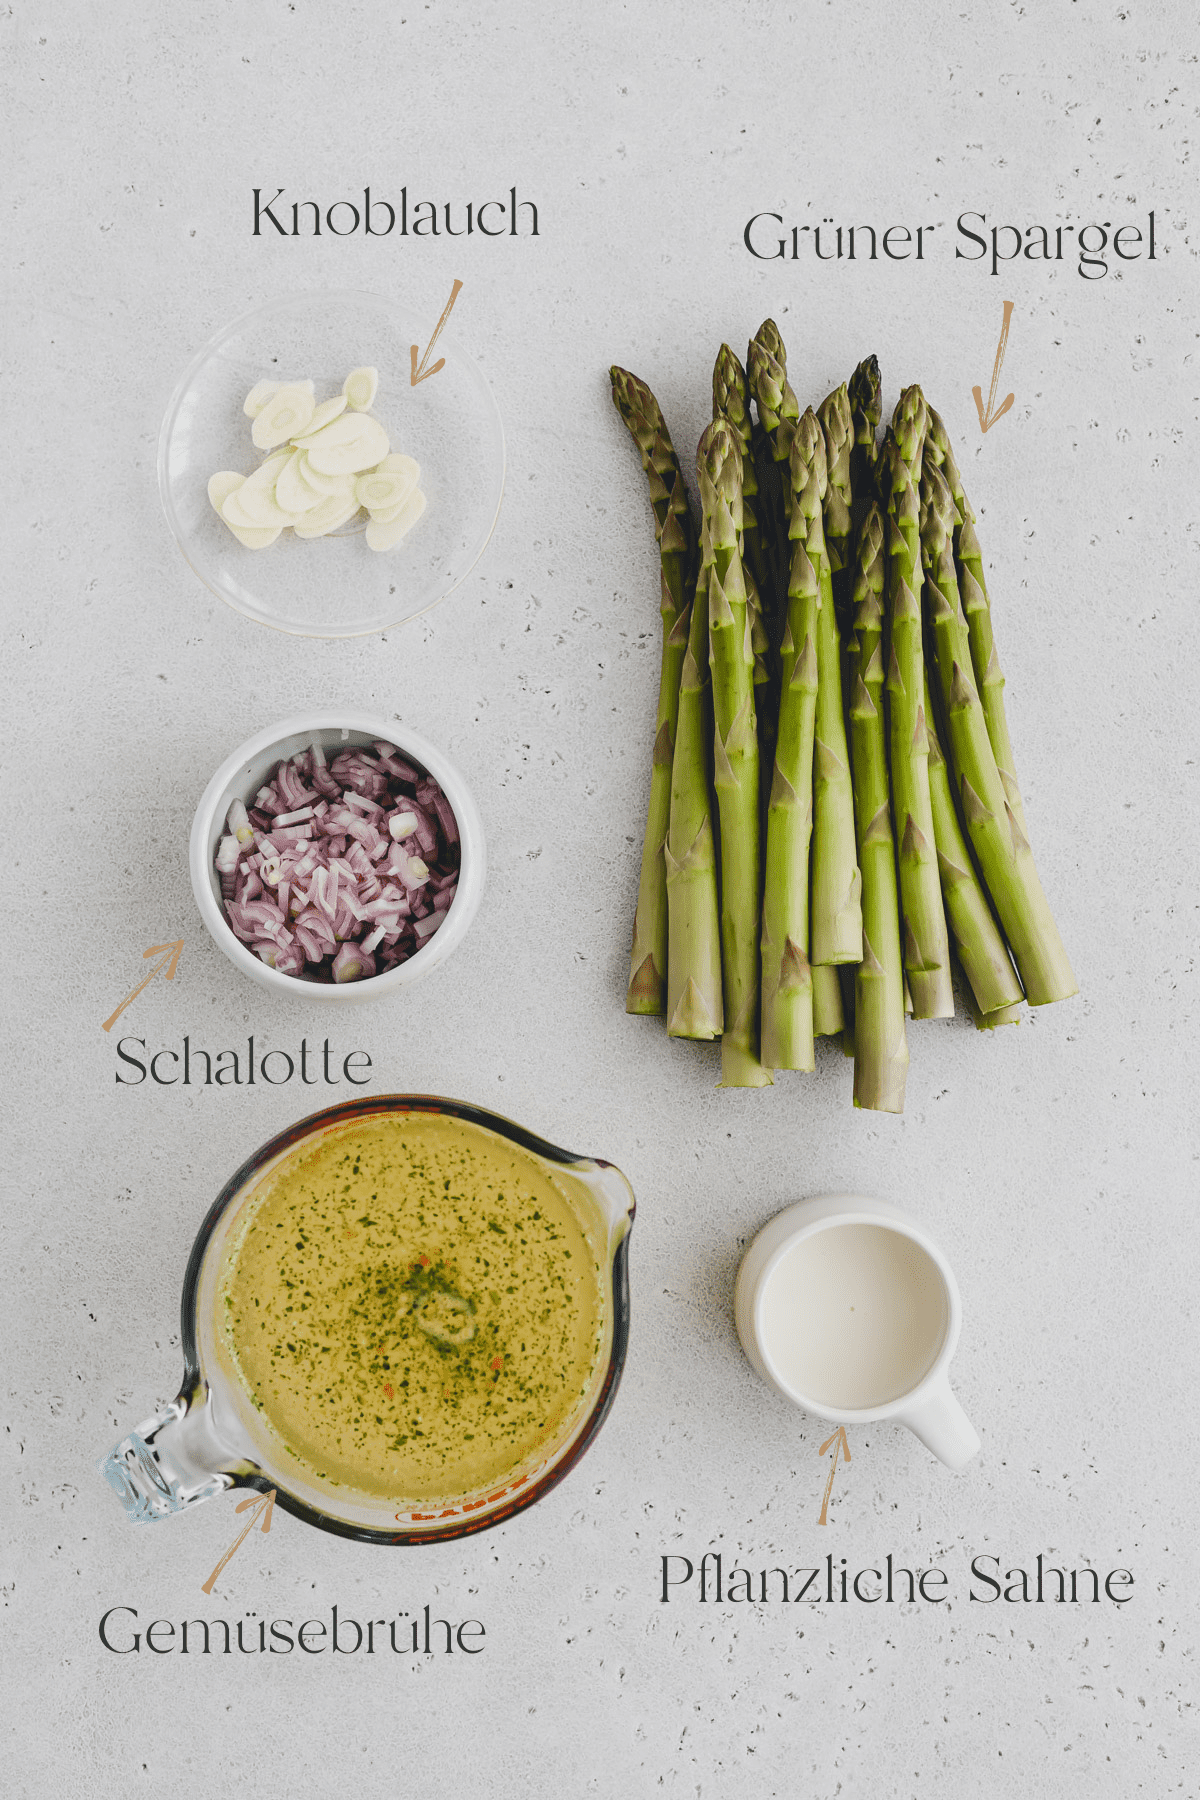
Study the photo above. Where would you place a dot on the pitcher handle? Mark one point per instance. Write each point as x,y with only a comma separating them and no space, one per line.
943,1427
169,1462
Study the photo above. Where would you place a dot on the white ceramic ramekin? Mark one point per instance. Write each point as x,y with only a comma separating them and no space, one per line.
239,778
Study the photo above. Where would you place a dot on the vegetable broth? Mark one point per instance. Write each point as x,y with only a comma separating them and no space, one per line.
414,1307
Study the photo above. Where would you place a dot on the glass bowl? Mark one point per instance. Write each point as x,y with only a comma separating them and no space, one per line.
212,1438
335,586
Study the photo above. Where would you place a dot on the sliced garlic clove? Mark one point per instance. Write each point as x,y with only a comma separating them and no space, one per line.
254,538
247,530
258,396
292,492
386,489
345,429
325,484
268,472
235,514
331,513
339,450
285,415
360,387
383,515
325,413
381,536
397,463
262,508
221,485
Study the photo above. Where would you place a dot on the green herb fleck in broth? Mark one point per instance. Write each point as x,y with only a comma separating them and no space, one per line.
413,1306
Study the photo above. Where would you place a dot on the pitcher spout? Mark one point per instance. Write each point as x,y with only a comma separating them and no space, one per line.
169,1462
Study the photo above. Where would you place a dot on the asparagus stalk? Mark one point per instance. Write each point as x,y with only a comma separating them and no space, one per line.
880,1041
847,973
771,440
767,375
770,338
866,409
731,402
735,749
787,982
836,927
676,545
829,1017
926,943
1007,1015
1001,847
837,426
773,501
981,949
778,411
694,999
972,588
1004,1015
909,424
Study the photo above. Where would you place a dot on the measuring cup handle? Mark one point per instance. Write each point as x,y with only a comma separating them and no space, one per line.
943,1427
169,1462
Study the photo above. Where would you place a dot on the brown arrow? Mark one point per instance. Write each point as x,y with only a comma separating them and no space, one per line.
840,1448
419,371
265,1507
173,953
987,418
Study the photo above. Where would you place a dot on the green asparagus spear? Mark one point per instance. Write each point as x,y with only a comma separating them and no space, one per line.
771,441
972,588
981,949
880,1041
1006,1015
1001,847
735,749
926,943
837,426
676,544
1003,1015
694,1001
771,339
731,402
767,376
909,424
866,409
836,920
778,412
787,985
829,1016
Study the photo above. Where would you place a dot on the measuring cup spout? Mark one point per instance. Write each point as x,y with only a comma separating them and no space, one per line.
942,1425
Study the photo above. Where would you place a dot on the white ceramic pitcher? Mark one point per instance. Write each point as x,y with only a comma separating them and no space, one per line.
927,1406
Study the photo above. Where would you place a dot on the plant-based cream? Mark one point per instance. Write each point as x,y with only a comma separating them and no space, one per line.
853,1316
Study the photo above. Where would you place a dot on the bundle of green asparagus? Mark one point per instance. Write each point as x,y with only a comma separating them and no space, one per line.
835,825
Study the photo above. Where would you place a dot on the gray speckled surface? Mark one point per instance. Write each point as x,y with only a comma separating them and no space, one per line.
1055,1163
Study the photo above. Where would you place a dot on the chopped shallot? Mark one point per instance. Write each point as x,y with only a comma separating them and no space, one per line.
340,869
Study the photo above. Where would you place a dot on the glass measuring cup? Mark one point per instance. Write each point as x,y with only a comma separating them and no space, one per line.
211,1437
